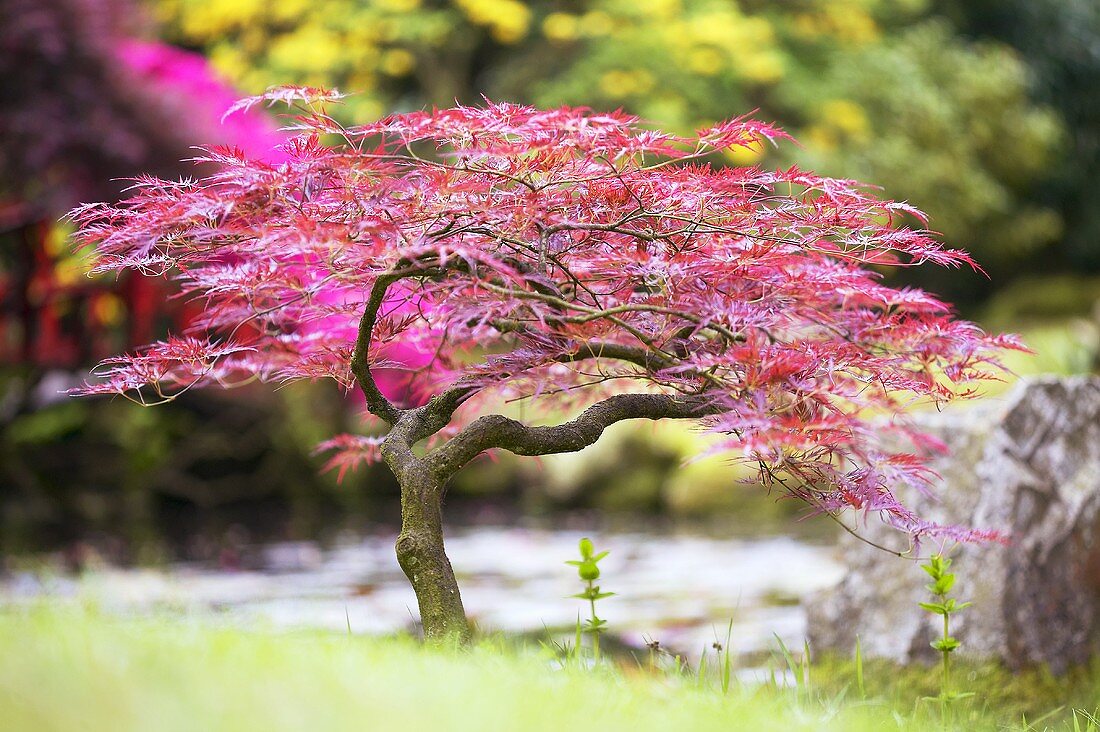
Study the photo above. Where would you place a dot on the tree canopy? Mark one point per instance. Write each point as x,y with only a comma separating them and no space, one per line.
559,257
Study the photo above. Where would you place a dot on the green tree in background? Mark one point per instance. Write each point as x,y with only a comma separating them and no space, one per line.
945,124
1060,41
876,90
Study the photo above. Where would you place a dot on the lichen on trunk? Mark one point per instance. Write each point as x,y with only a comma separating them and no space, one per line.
420,547
423,558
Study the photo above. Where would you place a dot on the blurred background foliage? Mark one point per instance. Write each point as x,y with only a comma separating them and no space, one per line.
889,92
981,112
1059,41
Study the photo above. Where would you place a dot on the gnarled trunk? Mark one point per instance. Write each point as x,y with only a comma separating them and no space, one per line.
422,556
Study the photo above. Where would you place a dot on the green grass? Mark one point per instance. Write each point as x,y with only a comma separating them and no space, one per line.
79,670
1000,697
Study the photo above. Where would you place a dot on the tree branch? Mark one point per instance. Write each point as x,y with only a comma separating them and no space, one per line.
583,350
642,358
414,425
498,431
377,402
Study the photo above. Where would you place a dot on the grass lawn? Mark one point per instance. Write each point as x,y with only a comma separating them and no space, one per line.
67,669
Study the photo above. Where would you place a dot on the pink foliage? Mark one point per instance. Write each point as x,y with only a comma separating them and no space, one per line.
349,452
559,256
186,81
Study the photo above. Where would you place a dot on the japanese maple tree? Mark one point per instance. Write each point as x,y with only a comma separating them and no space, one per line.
566,258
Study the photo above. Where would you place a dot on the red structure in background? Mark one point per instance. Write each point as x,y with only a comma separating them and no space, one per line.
51,322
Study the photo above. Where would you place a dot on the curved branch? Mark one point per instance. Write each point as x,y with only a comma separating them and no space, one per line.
592,313
598,350
582,350
377,402
498,431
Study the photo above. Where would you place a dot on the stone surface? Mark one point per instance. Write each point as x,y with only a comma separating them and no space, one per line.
1028,463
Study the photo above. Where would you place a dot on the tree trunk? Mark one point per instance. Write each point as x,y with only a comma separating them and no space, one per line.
423,558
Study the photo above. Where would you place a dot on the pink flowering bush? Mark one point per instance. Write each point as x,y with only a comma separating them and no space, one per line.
189,89
569,259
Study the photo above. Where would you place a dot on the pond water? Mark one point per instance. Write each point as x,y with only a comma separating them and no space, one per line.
680,589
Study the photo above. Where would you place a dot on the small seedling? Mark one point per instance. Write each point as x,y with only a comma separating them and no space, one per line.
942,582
589,571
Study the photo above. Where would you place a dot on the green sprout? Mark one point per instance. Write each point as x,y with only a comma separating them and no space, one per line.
944,606
589,571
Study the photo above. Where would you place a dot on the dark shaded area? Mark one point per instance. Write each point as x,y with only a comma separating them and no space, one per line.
74,118
1060,41
78,469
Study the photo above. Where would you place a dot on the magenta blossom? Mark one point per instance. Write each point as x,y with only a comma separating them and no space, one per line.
186,82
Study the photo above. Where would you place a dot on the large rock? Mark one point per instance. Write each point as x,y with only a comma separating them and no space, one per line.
1029,463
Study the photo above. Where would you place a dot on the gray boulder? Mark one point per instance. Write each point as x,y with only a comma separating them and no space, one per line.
1028,463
